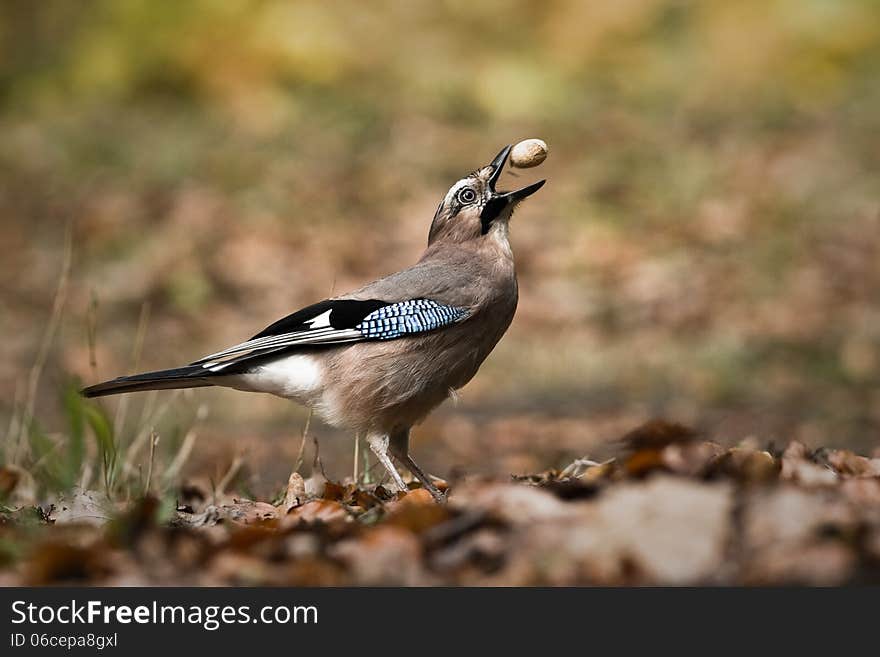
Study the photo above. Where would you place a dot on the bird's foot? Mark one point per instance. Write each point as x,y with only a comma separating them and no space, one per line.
436,493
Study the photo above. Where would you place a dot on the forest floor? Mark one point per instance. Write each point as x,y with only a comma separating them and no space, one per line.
669,508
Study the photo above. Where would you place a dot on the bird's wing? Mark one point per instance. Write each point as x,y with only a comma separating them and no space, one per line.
339,321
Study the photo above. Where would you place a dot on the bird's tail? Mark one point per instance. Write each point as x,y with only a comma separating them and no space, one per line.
191,376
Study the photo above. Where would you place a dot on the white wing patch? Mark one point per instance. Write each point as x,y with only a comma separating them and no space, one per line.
321,320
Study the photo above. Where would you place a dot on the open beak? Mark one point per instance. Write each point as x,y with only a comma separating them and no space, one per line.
500,200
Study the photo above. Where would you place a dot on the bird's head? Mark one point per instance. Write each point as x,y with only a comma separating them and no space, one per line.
473,208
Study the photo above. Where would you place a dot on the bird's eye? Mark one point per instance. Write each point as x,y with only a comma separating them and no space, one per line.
467,195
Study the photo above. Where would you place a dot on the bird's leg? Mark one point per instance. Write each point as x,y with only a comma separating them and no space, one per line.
399,448
378,442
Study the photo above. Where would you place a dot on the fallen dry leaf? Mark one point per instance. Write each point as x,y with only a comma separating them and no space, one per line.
387,556
417,497
645,445
664,531
236,569
644,461
798,467
249,512
416,511
798,536
295,493
81,506
669,530
656,434
334,491
325,511
480,552
54,562
746,465
690,459
515,504
850,464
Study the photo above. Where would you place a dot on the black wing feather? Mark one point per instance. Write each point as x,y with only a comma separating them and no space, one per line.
344,314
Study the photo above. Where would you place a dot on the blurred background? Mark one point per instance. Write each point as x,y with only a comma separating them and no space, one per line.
707,248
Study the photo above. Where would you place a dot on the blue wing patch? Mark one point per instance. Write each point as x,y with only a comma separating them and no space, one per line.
407,317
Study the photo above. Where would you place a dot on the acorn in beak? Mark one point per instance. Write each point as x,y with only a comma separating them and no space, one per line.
500,200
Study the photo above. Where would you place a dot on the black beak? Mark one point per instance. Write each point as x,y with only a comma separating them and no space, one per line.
501,200
520,194
497,165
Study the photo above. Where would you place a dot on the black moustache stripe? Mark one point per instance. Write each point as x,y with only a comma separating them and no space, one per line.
490,212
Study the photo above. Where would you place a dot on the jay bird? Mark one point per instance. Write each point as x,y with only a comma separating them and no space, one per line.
379,359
